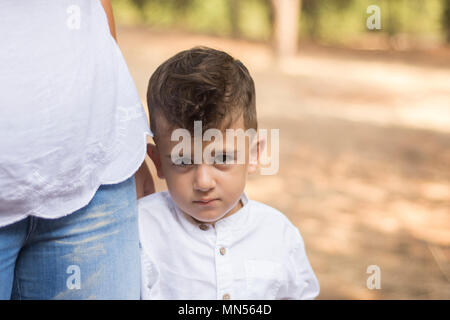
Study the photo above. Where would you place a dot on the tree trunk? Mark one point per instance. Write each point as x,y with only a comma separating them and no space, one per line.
286,17
446,19
233,6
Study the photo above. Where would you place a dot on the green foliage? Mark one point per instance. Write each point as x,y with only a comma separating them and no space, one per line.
127,12
342,20
328,21
209,16
333,21
417,17
254,21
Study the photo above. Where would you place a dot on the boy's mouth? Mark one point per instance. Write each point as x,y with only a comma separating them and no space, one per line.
206,201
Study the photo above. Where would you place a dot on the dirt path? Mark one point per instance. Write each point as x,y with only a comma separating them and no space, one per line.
364,159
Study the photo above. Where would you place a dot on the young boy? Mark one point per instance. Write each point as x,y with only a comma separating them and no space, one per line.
203,238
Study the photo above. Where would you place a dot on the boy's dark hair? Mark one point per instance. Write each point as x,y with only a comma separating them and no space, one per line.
201,84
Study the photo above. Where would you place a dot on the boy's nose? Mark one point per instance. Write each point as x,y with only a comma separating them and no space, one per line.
203,180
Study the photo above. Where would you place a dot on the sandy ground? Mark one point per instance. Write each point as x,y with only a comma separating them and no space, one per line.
364,157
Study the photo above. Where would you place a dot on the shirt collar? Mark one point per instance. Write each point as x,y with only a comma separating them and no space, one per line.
237,216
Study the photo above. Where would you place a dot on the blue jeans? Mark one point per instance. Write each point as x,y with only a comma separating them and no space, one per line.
93,253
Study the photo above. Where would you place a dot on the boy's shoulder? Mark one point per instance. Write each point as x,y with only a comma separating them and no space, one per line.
155,205
158,198
275,221
156,217
269,213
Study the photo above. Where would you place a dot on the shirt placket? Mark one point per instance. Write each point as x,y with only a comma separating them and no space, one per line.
224,271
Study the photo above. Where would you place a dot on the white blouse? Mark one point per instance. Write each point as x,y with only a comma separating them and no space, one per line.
70,115
256,253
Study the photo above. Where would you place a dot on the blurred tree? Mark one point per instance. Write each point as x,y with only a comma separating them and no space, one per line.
310,8
139,3
181,6
446,19
233,7
178,7
270,11
329,22
286,18
392,23
317,15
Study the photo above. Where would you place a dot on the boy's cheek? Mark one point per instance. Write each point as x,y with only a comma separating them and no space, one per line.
174,181
179,190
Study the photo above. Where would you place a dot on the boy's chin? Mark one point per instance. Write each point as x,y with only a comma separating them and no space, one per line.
207,217
214,214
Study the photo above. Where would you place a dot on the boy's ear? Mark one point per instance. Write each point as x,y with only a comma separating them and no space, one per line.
153,153
257,145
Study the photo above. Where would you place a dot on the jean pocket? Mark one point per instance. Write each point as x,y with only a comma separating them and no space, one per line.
264,278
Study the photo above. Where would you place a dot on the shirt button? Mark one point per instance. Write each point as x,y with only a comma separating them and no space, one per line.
226,296
203,227
223,251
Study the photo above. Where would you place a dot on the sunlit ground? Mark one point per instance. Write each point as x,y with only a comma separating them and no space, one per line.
364,157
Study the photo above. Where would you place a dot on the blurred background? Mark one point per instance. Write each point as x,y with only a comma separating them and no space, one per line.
364,120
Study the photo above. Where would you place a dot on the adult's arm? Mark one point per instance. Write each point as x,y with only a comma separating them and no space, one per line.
109,13
143,177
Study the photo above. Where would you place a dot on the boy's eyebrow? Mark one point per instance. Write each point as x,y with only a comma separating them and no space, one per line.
168,156
235,152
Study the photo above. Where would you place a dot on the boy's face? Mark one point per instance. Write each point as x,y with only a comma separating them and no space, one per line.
206,192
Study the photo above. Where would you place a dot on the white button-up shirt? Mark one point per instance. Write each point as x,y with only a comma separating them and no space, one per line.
255,253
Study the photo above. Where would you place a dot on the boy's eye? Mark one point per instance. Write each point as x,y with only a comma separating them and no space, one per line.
182,162
224,159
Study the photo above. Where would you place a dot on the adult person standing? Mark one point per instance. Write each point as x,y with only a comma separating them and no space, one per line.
72,136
